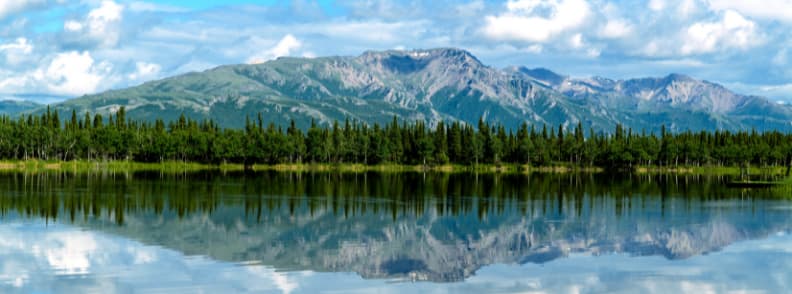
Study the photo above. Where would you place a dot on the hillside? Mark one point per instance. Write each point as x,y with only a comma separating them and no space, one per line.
14,107
435,85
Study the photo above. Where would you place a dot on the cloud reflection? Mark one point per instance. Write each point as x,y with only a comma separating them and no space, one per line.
55,258
58,258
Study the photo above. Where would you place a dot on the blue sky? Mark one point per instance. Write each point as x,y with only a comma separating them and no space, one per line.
53,49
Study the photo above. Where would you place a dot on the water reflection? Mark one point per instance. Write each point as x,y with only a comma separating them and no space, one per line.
65,259
436,227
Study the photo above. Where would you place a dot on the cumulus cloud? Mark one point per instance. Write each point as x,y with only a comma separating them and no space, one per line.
73,73
687,7
285,47
536,21
144,71
615,29
8,7
69,73
725,32
780,10
16,52
731,31
101,27
576,41
683,8
657,5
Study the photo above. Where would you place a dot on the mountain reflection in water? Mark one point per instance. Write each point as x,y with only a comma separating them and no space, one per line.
436,227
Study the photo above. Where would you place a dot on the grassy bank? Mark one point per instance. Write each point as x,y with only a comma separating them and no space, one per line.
178,166
712,170
110,166
450,168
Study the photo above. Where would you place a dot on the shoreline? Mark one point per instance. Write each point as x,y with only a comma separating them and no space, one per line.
178,166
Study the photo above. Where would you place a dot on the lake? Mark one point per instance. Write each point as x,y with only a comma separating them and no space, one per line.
275,232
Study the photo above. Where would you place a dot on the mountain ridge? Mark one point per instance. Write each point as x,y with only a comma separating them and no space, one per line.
444,84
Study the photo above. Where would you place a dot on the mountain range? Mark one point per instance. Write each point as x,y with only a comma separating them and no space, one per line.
435,85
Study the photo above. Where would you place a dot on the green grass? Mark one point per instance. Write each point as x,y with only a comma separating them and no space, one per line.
178,167
356,167
110,166
449,168
713,170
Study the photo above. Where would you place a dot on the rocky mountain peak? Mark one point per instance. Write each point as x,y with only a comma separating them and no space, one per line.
679,77
411,61
453,55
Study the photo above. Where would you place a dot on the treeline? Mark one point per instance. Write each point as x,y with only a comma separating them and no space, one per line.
93,137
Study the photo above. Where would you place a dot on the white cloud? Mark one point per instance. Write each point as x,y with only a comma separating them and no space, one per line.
64,74
370,31
615,29
145,71
75,73
679,62
101,26
16,52
9,7
777,92
781,92
285,47
140,6
684,8
108,11
732,31
785,88
687,7
536,21
652,48
767,9
534,49
657,5
576,41
72,26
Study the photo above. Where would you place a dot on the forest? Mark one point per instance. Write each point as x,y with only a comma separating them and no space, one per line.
94,137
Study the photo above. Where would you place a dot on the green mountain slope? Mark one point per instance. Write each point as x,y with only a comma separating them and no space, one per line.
432,85
15,107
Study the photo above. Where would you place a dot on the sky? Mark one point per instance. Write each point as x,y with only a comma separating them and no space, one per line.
52,50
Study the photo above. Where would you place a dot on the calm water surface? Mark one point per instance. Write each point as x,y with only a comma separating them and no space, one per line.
383,233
